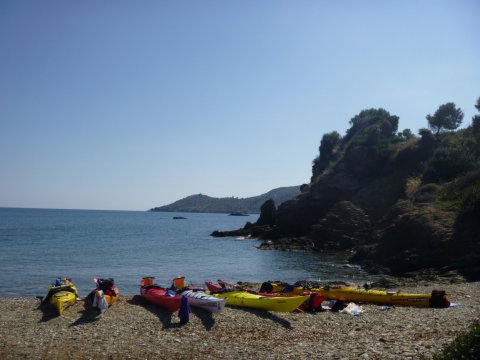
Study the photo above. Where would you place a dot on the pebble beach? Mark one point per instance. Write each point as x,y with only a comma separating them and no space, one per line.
134,329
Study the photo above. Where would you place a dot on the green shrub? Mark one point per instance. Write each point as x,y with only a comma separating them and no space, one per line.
382,150
407,134
387,124
328,143
465,346
448,162
461,196
470,205
428,141
476,123
476,128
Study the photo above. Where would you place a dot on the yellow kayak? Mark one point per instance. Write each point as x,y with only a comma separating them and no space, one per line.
61,295
112,298
269,303
381,297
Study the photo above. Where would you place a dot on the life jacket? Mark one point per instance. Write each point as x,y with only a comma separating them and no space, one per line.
107,286
313,304
266,287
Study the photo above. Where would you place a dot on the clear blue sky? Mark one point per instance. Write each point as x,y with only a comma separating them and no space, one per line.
135,104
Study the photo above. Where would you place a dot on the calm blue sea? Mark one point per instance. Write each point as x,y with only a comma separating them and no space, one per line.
38,245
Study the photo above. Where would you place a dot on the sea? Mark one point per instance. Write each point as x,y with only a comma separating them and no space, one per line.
39,245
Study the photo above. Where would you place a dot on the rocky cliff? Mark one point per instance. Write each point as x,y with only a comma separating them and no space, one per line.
401,204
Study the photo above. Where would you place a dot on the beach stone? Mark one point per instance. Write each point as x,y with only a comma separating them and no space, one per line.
129,329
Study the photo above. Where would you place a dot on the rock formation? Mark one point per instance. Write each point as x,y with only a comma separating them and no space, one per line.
400,205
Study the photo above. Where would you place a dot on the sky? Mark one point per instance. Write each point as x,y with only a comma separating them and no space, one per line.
128,105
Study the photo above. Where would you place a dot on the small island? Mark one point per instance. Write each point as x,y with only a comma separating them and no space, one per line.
238,213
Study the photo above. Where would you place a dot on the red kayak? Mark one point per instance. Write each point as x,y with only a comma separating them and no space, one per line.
213,288
161,297
165,298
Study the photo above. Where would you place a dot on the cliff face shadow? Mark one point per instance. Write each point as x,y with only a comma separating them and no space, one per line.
267,315
164,315
466,229
205,316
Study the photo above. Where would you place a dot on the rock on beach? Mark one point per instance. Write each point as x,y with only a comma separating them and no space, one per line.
133,329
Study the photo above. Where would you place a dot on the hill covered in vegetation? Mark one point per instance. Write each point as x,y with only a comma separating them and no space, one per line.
400,203
251,205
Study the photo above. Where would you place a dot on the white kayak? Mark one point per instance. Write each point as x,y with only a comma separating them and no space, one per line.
207,302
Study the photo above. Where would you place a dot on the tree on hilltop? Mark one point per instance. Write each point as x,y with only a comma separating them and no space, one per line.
447,117
407,134
387,124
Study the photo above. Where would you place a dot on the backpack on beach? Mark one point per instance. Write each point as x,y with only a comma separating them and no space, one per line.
105,284
438,299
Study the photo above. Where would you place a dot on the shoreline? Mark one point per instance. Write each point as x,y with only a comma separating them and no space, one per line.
134,329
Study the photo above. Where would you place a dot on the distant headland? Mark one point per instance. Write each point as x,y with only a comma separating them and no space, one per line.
230,205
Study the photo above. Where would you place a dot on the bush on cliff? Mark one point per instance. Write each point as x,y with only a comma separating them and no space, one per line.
370,142
476,124
448,162
328,143
470,206
407,134
462,196
388,124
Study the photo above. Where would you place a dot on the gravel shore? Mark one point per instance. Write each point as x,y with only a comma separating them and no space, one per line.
133,329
